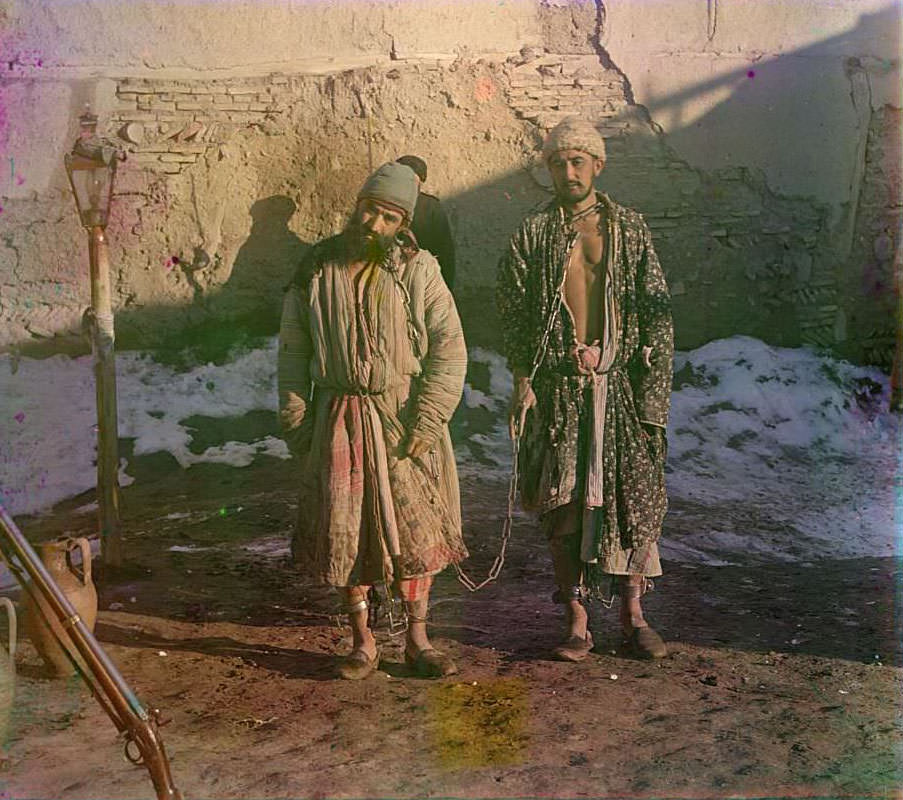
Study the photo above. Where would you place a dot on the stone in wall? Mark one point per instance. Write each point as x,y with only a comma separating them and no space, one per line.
167,125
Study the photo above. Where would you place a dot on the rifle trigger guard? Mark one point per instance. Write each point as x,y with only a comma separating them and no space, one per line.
135,758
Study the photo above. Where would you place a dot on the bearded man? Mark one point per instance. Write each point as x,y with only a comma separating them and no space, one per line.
371,367
588,336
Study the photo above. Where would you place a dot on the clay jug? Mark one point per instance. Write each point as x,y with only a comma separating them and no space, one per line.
7,671
78,587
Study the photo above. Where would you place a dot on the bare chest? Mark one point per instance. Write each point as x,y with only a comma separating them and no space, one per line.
584,283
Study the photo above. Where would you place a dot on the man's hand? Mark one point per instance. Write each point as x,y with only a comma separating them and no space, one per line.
522,400
657,439
292,413
416,446
297,425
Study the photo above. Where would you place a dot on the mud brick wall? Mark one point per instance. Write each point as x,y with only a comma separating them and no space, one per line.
171,123
765,157
738,257
867,291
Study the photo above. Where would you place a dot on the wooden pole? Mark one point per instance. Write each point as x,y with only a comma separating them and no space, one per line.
105,381
896,370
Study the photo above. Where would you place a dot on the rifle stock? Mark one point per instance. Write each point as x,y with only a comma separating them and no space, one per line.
139,728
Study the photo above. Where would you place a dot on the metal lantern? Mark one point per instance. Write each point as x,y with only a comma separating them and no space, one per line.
91,167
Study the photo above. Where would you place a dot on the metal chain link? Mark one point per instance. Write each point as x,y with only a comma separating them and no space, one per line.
499,562
507,525
540,356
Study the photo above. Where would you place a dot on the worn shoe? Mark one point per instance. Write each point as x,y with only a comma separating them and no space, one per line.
430,663
358,665
645,643
574,649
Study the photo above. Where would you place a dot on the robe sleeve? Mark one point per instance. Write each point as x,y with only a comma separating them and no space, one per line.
513,304
444,365
293,371
652,378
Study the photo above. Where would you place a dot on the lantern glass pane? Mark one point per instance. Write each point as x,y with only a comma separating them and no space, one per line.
92,193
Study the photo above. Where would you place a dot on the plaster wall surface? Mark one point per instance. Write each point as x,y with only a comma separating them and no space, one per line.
34,141
231,35
770,85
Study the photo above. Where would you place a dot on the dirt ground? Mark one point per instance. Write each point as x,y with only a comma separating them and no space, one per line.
783,680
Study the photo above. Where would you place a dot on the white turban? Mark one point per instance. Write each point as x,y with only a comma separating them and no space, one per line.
574,133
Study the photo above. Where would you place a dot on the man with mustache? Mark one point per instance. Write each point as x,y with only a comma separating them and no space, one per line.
588,335
371,367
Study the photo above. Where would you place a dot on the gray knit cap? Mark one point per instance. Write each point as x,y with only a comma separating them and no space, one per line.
392,183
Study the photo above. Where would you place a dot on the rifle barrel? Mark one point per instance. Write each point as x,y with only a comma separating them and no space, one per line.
106,682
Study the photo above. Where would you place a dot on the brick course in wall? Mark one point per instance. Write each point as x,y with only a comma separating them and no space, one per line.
166,125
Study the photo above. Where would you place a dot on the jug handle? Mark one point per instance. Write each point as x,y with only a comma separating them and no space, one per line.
85,546
11,614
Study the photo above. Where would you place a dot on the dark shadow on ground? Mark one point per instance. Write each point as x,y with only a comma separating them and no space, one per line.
298,663
850,609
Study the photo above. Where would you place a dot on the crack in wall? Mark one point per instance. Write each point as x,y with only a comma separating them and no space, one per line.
605,59
711,19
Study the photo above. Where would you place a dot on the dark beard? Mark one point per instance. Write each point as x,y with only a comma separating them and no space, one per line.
365,246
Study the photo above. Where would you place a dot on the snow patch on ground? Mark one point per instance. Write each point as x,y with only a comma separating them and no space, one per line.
486,455
48,432
188,548
798,447
269,547
774,453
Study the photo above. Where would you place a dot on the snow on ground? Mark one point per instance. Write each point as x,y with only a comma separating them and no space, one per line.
48,418
485,454
799,448
774,452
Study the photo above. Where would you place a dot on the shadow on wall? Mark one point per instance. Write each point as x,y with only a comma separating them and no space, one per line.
743,252
838,262
739,257
240,313
782,111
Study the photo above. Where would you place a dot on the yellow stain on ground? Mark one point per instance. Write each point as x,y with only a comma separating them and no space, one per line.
478,725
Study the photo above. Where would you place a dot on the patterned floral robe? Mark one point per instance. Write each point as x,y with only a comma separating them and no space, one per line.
553,449
359,368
